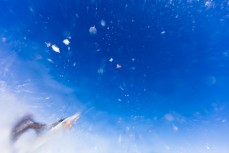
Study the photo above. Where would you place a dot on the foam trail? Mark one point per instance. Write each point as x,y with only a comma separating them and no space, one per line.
86,137
100,137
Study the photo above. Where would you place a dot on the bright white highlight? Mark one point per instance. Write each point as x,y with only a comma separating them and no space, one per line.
55,49
66,42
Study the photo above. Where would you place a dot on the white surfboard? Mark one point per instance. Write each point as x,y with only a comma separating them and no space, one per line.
55,131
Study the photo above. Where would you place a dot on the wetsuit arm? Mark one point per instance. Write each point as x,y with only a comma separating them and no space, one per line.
25,124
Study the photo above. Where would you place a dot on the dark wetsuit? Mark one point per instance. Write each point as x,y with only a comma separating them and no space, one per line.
25,124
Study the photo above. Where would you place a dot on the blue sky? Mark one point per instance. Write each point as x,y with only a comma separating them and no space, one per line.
170,51
155,65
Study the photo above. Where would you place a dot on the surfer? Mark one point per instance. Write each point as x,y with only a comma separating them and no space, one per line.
27,122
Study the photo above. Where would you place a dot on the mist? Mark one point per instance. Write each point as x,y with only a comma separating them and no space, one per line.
102,137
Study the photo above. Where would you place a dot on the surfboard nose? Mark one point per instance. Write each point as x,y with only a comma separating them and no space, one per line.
71,120
76,117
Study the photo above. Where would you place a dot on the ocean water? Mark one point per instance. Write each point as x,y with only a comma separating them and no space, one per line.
147,76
